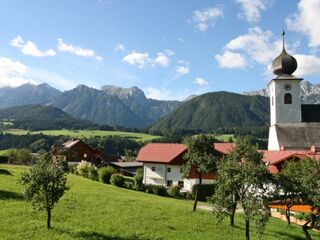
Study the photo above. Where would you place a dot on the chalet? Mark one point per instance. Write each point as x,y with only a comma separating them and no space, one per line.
162,164
77,150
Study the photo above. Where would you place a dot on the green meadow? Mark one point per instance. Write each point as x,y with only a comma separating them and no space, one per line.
84,133
92,210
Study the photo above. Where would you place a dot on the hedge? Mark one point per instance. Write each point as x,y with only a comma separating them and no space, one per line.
204,191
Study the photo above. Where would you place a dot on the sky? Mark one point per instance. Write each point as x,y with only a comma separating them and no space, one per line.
170,49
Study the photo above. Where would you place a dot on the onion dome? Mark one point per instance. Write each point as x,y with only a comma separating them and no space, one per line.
284,63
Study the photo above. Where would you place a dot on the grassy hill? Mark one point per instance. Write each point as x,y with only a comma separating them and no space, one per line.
217,110
38,117
92,210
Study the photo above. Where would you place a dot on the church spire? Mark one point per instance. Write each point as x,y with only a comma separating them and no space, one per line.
284,63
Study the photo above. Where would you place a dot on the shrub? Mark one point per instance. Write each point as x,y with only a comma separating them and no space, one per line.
73,169
105,174
204,191
20,156
156,189
128,182
117,180
174,191
87,170
138,180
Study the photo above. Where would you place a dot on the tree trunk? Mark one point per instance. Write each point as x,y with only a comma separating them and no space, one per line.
305,226
49,218
288,216
247,229
233,210
305,230
196,194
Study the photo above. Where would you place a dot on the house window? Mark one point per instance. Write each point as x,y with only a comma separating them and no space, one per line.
153,169
272,100
168,169
180,170
169,183
287,98
180,184
85,155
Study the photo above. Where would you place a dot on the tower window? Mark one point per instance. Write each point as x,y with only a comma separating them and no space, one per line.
287,98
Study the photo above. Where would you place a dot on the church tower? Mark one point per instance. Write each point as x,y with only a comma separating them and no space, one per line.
285,99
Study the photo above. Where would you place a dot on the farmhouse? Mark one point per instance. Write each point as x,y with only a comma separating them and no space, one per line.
163,162
76,150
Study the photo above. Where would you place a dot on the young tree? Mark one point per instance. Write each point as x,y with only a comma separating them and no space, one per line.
243,174
44,185
302,179
201,156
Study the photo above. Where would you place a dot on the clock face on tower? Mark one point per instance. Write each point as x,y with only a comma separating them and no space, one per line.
287,86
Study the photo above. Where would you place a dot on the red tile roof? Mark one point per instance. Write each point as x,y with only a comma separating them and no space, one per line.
224,148
161,152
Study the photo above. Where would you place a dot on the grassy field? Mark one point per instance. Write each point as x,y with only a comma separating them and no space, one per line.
225,137
4,153
84,133
92,210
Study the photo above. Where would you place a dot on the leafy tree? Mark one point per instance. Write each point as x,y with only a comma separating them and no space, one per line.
138,179
243,176
301,179
44,185
201,156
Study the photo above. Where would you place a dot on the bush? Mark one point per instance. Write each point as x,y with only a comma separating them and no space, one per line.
105,174
20,156
174,191
73,169
138,180
156,189
128,182
117,180
204,191
87,170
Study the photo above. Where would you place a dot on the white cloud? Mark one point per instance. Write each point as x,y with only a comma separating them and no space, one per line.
161,94
78,51
30,48
143,59
169,52
162,60
201,82
13,73
202,19
119,48
260,45
306,21
136,58
182,70
251,9
307,64
231,60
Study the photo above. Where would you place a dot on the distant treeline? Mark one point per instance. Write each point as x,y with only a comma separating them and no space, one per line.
113,145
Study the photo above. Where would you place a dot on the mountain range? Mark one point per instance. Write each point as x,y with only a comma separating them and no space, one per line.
114,106
129,107
310,93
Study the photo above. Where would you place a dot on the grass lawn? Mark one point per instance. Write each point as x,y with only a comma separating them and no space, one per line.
92,210
84,133
224,137
4,153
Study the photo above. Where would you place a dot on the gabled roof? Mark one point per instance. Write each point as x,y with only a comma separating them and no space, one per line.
161,152
298,135
224,148
70,143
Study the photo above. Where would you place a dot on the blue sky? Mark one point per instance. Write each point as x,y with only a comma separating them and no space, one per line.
169,48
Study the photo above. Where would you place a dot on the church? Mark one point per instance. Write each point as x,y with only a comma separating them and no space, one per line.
293,125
